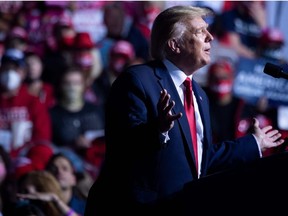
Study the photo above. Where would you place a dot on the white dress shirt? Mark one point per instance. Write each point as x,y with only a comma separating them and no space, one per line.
178,78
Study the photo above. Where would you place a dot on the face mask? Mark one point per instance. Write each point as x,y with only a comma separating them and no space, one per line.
73,92
10,80
222,88
118,65
85,60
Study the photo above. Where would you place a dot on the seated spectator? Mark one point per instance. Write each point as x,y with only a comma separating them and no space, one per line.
17,39
24,121
242,26
4,32
121,55
224,106
231,117
87,57
7,183
62,169
43,190
76,123
59,56
36,86
121,27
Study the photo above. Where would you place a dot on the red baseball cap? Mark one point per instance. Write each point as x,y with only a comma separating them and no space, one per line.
123,47
83,41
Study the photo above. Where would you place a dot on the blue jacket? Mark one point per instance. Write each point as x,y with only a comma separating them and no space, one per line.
141,170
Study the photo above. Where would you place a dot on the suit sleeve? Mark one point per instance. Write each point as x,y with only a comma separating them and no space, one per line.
226,154
230,154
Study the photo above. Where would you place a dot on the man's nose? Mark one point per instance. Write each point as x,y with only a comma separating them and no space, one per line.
209,37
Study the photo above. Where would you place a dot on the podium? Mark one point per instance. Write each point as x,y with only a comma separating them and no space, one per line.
257,188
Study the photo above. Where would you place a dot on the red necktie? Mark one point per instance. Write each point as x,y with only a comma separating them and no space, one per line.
189,109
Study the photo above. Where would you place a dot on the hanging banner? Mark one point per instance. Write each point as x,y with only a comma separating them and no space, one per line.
251,83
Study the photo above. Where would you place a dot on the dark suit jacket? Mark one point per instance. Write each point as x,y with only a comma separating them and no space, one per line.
140,170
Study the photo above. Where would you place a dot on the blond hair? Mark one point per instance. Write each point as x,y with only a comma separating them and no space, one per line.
171,22
44,182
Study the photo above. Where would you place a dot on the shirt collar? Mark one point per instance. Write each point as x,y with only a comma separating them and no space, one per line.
178,76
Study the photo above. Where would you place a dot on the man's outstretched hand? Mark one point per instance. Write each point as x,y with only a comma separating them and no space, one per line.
267,137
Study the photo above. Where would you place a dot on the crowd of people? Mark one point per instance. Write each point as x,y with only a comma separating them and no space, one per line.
58,63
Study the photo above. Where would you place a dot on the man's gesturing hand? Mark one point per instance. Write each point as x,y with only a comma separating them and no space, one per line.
165,117
267,137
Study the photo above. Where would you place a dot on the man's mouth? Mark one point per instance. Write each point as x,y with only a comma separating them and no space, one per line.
207,51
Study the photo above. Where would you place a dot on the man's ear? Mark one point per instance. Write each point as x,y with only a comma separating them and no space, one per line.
174,45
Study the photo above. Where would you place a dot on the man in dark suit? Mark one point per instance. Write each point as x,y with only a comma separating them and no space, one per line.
149,154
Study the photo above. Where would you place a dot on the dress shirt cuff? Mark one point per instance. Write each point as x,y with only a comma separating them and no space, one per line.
258,144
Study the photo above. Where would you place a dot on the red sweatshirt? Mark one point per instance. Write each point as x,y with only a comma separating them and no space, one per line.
23,120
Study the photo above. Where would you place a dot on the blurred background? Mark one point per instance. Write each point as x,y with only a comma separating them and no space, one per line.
60,58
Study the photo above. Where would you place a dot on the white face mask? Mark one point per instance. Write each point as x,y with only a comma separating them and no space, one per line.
73,92
10,80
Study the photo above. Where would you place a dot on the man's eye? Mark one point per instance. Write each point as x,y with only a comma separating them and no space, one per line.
199,31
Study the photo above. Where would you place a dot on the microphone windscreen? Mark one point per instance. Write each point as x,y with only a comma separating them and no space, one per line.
273,70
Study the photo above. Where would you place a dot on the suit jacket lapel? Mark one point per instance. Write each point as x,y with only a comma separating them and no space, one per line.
204,113
166,82
202,105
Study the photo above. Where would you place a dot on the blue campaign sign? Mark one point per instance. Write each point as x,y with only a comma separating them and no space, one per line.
251,83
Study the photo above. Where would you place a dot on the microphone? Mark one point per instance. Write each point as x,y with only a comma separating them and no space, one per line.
275,71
